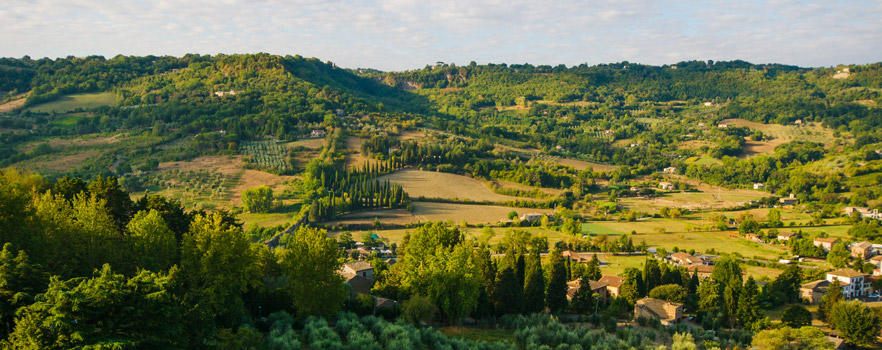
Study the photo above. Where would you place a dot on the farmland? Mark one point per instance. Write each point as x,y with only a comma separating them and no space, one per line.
267,154
76,101
430,184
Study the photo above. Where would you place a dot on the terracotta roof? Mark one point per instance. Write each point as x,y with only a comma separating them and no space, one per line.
876,258
612,281
846,273
700,268
826,240
819,285
862,245
681,256
359,265
786,234
657,307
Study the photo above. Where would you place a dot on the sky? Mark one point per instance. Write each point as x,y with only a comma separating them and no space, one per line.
409,34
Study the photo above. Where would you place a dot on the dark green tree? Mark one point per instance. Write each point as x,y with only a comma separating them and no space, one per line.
856,323
556,293
508,295
830,298
797,316
534,287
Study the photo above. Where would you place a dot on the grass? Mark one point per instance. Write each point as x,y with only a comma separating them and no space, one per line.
266,219
433,184
72,102
68,121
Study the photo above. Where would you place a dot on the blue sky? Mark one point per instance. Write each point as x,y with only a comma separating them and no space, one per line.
408,34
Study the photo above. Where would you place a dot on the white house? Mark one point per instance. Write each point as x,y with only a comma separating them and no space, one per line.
854,284
531,217
358,268
759,186
670,170
666,185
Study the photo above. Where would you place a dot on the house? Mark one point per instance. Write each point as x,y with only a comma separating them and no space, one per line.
708,104
226,93
759,186
670,170
854,284
786,236
877,260
596,288
531,217
684,259
361,268
666,185
317,133
703,271
791,200
864,212
383,303
813,291
861,250
339,112
613,284
666,312
357,284
722,126
391,261
826,243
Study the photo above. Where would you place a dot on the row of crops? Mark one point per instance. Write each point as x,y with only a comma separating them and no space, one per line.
199,183
267,154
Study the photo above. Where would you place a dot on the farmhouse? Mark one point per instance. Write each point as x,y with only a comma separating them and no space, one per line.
670,170
791,200
613,284
786,236
877,260
357,284
864,212
226,93
666,312
708,104
854,284
684,259
666,185
826,243
361,268
861,250
317,133
596,288
753,237
813,291
703,271
722,126
759,186
531,217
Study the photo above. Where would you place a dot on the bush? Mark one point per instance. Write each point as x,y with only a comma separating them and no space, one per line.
419,309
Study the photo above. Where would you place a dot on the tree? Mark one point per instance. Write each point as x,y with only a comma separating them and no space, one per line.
104,311
584,301
152,243
651,274
785,287
632,288
20,282
592,271
556,293
749,312
838,255
508,295
830,298
797,316
258,199
116,200
856,323
773,219
670,292
218,264
709,296
534,286
683,341
310,263
418,309
805,338
512,215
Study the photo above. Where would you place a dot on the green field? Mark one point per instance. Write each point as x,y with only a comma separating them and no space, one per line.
68,121
72,102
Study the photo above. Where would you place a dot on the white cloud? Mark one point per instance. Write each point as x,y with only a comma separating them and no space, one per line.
407,34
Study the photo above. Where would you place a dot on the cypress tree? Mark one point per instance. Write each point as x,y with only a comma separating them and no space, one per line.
534,286
556,293
748,304
508,297
830,298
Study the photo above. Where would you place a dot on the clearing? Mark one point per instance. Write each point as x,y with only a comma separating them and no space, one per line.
72,102
811,132
354,158
429,211
433,184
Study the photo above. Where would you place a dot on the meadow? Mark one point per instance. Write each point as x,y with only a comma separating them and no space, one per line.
73,102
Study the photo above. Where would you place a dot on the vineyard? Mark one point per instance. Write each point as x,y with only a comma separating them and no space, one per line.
267,155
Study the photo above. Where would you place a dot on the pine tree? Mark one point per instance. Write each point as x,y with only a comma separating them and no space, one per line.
593,270
508,297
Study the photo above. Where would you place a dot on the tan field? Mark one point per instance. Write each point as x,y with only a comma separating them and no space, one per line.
81,141
582,165
14,104
354,159
231,166
313,144
432,184
59,163
516,186
427,212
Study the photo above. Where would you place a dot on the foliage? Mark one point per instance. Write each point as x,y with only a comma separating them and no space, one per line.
258,199
310,264
670,292
797,316
832,297
856,323
556,292
804,338
419,309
